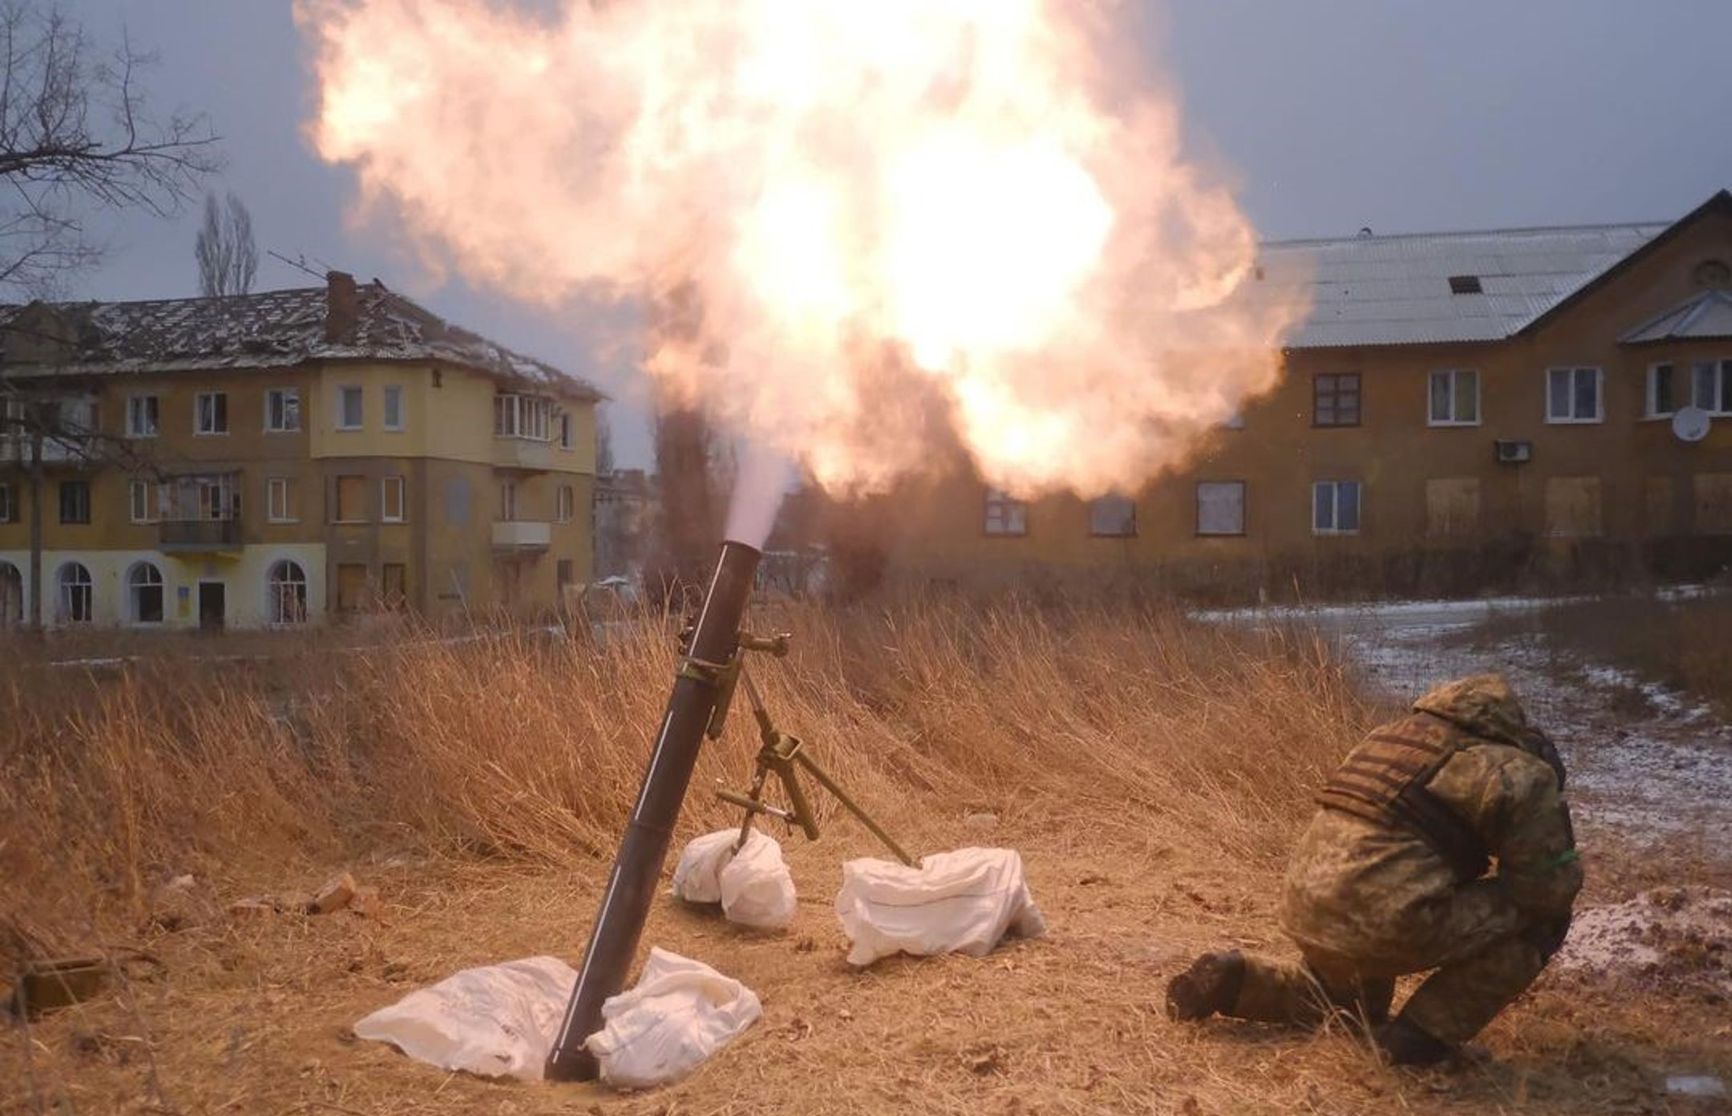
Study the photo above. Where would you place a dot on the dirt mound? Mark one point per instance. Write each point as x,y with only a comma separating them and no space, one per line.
1674,937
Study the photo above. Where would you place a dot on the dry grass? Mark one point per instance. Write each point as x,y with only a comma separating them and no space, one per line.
1152,772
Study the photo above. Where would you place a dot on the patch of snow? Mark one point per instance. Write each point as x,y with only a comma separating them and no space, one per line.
1675,937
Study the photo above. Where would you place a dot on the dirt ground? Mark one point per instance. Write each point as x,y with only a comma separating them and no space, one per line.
251,1015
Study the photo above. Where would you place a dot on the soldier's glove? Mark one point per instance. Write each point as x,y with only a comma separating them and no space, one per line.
1548,937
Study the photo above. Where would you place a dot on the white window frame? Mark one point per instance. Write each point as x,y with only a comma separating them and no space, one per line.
1003,516
1333,487
1453,375
342,420
1719,401
64,588
134,405
522,416
274,588
8,505
198,408
282,396
1244,509
138,494
565,501
393,394
1651,390
565,424
1575,370
132,588
386,485
508,501
278,493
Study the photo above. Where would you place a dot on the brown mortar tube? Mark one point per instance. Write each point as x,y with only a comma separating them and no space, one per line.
637,867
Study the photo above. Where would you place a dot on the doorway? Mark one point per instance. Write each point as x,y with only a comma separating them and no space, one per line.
212,605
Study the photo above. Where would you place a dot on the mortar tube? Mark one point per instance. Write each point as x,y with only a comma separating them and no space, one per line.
642,851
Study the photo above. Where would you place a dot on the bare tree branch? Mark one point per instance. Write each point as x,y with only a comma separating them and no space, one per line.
227,255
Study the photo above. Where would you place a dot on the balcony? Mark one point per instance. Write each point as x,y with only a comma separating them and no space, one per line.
58,450
521,535
200,536
531,454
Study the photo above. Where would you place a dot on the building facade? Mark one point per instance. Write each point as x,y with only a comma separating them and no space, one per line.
282,458
1457,411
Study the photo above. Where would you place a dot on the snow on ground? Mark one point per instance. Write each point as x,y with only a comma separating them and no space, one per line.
1676,936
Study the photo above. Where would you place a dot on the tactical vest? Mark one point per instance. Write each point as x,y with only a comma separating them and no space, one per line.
1384,781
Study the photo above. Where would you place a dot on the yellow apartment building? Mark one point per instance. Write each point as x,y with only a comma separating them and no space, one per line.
1456,411
282,458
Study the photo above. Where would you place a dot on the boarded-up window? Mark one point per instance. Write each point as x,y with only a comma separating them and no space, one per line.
351,587
1661,500
1113,516
1221,508
1713,503
351,500
1452,507
1573,507
394,585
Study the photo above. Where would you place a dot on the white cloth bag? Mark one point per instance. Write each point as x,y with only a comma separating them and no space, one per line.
964,901
753,886
681,1012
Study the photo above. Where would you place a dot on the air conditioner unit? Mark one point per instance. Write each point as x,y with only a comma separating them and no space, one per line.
1514,453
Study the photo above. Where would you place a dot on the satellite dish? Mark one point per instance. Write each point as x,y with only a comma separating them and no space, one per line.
1691,424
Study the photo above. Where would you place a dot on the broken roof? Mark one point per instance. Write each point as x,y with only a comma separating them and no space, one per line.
1435,288
271,329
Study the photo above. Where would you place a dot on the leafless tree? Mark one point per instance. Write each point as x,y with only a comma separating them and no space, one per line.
78,135
228,256
604,462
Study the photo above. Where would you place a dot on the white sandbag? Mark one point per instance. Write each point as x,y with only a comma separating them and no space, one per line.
964,901
681,1012
753,886
495,1021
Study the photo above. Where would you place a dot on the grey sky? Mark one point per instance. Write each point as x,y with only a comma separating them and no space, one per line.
1404,115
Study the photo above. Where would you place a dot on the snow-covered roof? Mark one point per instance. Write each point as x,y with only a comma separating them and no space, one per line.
271,329
1440,287
1706,317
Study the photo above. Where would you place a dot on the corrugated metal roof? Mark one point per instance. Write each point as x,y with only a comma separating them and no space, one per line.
271,329
1706,317
1395,290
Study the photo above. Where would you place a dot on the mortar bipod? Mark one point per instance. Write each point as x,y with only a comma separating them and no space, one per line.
783,756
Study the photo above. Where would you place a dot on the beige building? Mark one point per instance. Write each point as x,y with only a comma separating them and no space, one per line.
284,457
1458,411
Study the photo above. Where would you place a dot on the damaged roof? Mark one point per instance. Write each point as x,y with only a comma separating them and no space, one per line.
271,329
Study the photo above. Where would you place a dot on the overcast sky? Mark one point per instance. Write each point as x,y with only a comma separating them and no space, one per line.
1401,115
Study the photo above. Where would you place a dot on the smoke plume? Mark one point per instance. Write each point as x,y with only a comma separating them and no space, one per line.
854,219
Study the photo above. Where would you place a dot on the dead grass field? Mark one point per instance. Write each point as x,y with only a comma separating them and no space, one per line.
1150,771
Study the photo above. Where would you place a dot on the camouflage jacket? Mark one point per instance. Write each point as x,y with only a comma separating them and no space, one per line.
1354,886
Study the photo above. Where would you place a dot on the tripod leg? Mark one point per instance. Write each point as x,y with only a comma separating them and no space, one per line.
756,795
801,807
853,807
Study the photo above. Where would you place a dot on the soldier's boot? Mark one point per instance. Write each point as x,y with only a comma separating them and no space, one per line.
1210,986
1459,999
1405,1043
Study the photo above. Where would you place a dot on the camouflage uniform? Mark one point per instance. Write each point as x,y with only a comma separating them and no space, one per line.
1368,901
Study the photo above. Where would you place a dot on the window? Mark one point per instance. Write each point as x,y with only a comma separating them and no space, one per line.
280,500
1454,398
351,500
567,503
393,407
282,411
1713,386
140,502
11,596
286,592
211,413
77,594
1335,508
391,500
1221,508
1573,395
1113,517
8,508
507,501
1662,390
1005,515
564,430
141,416
1335,399
1452,507
144,594
75,501
521,416
350,408
394,585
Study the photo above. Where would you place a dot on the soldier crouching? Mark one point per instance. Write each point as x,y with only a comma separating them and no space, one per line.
1390,878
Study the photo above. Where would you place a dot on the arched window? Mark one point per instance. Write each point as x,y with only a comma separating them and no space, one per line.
11,596
144,594
286,588
77,594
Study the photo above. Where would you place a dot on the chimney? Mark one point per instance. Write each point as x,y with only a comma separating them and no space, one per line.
342,306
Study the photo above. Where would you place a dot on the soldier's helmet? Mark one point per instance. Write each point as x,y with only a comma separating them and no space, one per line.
1486,706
